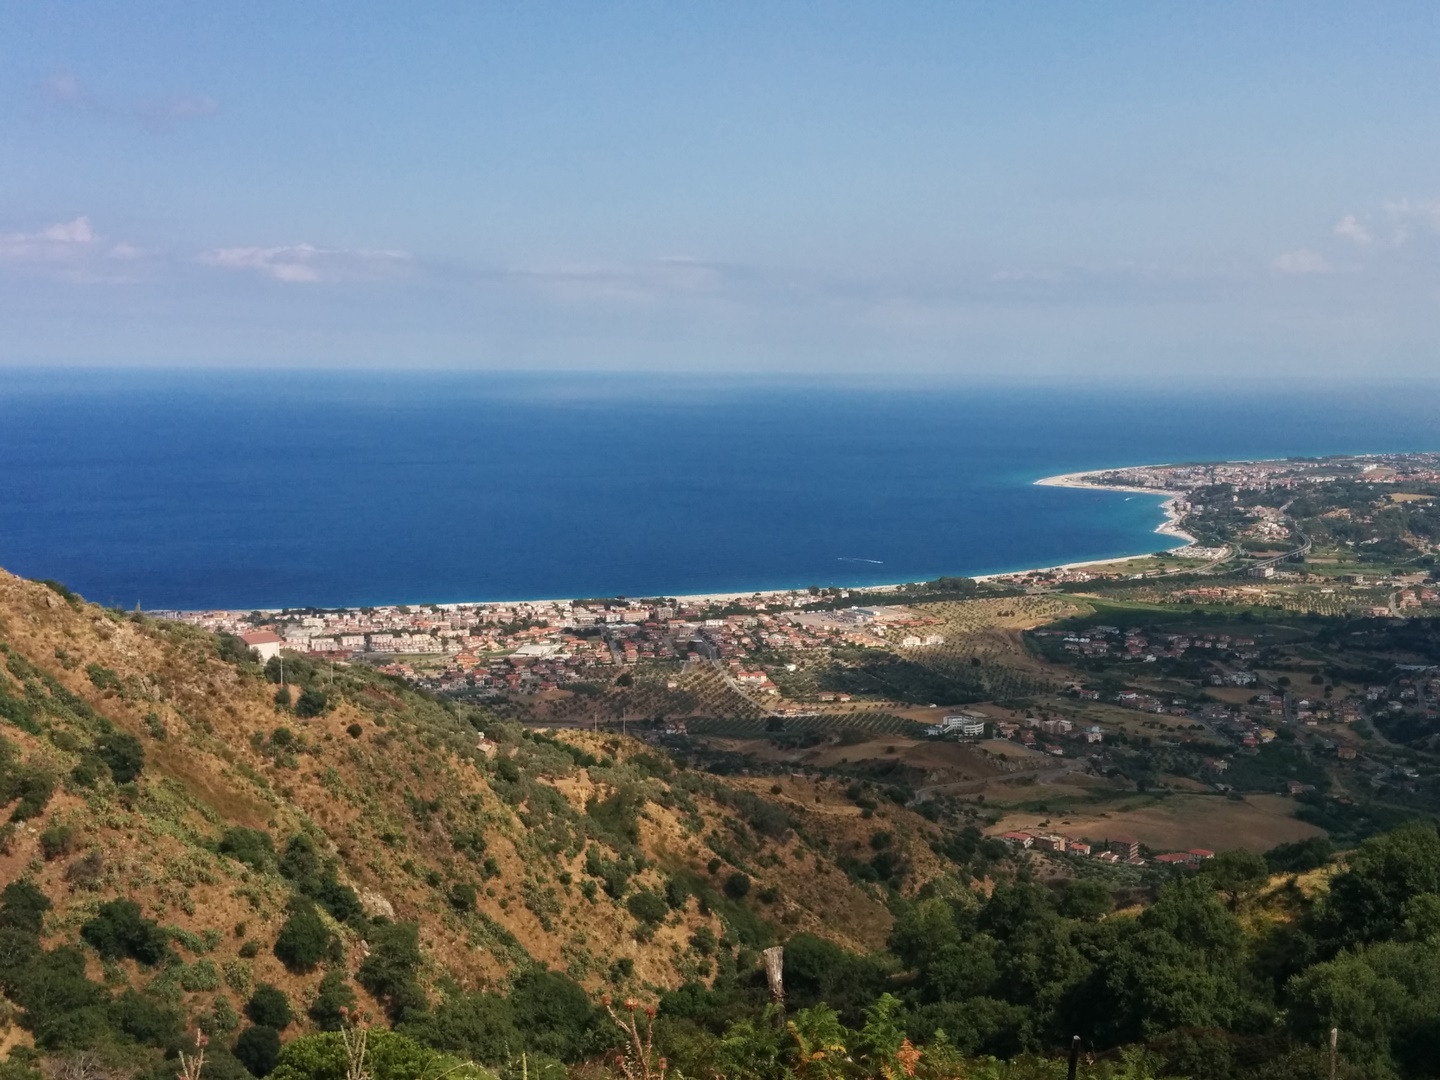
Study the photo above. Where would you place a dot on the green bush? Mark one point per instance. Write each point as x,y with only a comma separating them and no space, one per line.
648,907
58,841
118,930
123,754
23,907
737,886
304,940
269,1007
253,847
258,1049
332,996
553,1013
677,893
391,1056
201,975
311,703
462,896
146,1019
389,972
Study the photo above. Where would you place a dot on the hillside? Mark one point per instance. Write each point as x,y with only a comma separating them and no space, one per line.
154,762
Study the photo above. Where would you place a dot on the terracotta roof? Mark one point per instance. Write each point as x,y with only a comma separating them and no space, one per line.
260,637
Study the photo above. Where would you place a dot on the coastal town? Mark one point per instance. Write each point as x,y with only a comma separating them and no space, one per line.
1196,669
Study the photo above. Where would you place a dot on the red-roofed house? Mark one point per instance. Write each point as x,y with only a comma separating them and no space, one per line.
264,642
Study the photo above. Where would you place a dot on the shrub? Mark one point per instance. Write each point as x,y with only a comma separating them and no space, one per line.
703,941
677,893
269,1007
58,840
390,969
201,975
553,1013
145,1019
23,907
312,703
737,886
332,996
304,940
390,1056
249,949
32,787
253,847
258,1049
119,930
87,871
648,907
354,731
462,896
123,754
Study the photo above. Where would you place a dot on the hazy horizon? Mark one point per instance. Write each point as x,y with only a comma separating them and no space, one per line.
951,191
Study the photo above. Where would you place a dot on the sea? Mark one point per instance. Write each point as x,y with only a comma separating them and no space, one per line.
258,488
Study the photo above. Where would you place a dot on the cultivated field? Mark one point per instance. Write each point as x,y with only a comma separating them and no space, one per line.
1178,822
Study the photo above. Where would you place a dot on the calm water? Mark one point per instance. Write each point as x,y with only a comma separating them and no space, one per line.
268,489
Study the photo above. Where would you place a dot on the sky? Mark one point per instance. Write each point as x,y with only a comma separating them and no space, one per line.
1017,191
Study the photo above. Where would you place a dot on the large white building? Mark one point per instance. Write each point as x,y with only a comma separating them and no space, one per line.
264,642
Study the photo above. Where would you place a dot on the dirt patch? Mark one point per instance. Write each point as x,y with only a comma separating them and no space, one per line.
1181,822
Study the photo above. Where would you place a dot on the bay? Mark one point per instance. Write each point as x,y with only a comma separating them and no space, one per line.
268,488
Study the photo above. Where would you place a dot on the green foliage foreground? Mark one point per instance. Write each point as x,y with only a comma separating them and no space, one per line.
1207,979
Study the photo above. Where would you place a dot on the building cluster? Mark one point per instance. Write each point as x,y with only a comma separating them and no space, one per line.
1114,849
543,645
1141,645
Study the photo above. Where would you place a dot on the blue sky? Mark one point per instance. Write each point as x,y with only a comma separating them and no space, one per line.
1023,191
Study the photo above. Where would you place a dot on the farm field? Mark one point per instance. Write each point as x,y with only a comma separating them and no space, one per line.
1177,822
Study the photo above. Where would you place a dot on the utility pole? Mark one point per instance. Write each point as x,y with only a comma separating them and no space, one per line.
1074,1057
1334,1041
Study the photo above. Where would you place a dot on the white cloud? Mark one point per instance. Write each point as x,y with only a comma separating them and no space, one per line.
1349,228
64,88
307,264
1302,261
70,250
62,242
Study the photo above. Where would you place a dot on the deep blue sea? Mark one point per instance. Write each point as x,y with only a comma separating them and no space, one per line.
269,489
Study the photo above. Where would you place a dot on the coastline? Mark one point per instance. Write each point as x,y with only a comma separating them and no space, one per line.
1170,527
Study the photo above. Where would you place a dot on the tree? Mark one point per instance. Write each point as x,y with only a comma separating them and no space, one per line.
389,972
649,907
1086,899
123,754
304,940
23,907
253,847
737,885
1237,873
332,997
312,703
269,1007
118,930
478,1026
258,1049
1367,901
553,1014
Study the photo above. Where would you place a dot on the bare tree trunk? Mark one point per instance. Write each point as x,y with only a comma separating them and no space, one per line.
775,972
